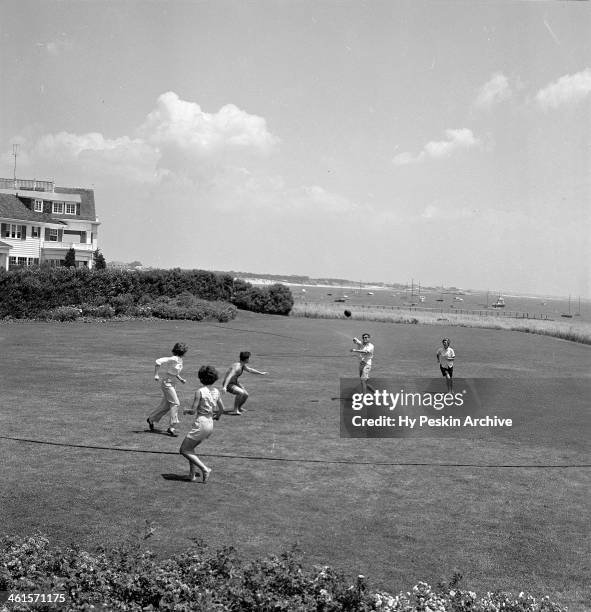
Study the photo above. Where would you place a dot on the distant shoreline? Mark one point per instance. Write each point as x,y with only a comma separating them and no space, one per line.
512,294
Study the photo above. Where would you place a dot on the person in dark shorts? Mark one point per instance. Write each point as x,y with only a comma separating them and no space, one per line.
231,384
445,359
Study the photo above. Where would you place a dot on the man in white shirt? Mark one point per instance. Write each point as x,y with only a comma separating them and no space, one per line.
365,352
445,359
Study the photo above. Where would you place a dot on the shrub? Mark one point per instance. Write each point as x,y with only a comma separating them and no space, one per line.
273,299
103,311
25,293
193,309
70,259
100,262
62,313
280,300
124,304
127,577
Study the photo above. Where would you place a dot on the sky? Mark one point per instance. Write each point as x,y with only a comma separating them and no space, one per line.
444,142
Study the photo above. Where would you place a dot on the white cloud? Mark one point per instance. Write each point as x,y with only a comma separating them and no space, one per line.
456,139
569,89
177,139
192,158
204,147
123,157
436,149
317,197
402,159
495,90
184,126
270,195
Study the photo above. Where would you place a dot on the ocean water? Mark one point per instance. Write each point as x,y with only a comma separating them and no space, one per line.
551,307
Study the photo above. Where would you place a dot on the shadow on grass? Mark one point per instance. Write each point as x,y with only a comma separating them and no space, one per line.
157,432
180,477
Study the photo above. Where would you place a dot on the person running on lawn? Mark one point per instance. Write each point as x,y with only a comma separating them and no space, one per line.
208,406
445,359
231,384
173,367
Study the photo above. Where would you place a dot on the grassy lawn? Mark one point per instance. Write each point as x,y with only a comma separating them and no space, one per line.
281,473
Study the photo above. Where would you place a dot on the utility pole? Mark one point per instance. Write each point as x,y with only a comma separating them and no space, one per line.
15,153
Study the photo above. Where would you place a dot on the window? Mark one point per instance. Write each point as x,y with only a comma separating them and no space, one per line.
35,231
52,235
38,206
58,208
20,262
70,209
15,231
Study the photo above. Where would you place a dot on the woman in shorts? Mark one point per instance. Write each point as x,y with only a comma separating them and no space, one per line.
207,406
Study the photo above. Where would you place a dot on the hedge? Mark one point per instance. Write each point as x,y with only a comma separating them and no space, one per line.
272,299
128,577
33,292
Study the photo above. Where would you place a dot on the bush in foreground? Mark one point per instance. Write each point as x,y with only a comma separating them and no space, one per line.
203,580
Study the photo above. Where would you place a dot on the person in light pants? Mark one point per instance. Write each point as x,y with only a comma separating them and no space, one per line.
365,350
173,367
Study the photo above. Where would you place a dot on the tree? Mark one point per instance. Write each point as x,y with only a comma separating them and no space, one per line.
99,260
70,260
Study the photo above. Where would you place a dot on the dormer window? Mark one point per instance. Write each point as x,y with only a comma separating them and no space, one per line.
58,208
70,209
38,206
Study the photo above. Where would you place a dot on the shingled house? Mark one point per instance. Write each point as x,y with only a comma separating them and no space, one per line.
39,222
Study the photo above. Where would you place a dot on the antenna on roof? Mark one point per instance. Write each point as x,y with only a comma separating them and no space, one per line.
15,153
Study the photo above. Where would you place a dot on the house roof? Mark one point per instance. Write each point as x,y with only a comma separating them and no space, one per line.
12,207
87,211
49,196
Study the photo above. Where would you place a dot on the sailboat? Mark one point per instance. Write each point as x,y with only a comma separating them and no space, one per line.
569,314
578,314
500,303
